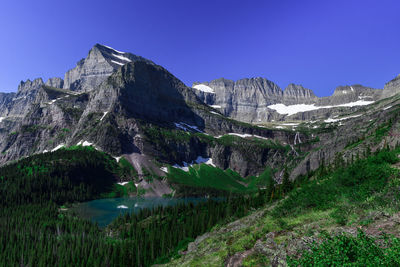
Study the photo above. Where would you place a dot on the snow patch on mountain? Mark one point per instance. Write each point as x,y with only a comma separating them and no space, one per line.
122,58
341,119
114,49
58,147
84,143
116,62
293,109
243,135
199,160
204,88
215,106
383,109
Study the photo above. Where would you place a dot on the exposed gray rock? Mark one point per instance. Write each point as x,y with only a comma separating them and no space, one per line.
5,101
23,100
248,99
100,63
244,100
55,82
295,94
392,87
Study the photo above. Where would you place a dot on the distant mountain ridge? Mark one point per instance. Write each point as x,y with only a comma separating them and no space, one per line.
250,100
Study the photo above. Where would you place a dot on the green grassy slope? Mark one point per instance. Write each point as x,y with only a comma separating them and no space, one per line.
328,207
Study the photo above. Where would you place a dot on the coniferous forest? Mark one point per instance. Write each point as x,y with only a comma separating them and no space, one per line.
35,229
36,232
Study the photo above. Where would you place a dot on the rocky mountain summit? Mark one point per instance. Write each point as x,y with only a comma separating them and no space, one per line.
101,62
130,107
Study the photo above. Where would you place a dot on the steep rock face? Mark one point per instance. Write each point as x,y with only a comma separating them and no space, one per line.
391,88
55,82
245,99
48,123
24,98
294,94
5,101
100,63
348,94
248,99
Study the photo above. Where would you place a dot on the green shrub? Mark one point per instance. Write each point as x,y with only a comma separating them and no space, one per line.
346,250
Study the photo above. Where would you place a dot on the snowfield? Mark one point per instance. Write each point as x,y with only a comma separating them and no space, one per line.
199,160
244,136
204,88
293,109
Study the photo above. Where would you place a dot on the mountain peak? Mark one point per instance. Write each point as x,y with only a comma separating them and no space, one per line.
99,64
106,47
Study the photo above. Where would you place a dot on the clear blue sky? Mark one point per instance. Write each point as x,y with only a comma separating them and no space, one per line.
319,44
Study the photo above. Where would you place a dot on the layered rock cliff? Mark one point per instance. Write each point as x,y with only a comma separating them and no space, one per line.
100,63
250,100
392,87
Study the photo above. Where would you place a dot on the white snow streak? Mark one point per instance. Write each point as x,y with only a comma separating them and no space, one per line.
123,183
58,147
122,207
204,88
113,49
341,119
215,106
1,119
244,135
84,143
293,109
105,113
122,58
116,62
383,109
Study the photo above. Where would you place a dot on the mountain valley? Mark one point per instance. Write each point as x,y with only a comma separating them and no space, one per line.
279,168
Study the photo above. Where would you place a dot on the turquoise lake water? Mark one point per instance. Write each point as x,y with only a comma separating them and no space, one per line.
104,211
